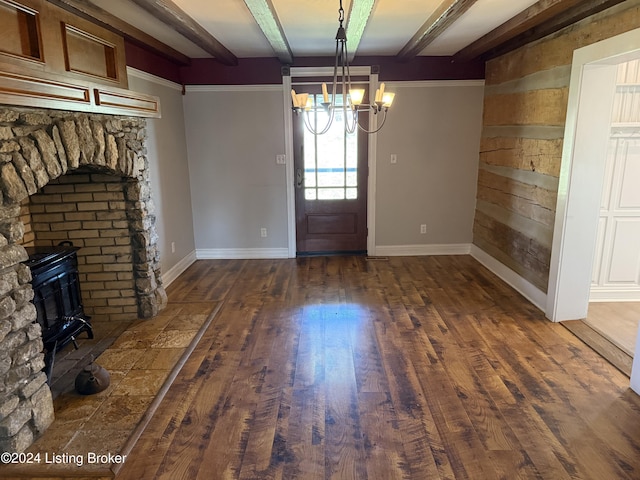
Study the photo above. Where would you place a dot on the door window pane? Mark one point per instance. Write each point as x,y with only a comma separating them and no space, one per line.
330,160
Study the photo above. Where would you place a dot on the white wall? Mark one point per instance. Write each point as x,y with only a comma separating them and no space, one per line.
234,135
169,171
434,129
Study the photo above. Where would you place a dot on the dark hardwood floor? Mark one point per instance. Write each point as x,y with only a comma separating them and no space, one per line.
405,368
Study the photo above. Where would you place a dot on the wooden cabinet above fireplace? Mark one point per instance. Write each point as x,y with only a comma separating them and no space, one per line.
51,58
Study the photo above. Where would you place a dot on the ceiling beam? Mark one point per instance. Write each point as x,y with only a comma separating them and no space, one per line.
537,21
267,19
442,18
173,16
91,12
359,15
527,19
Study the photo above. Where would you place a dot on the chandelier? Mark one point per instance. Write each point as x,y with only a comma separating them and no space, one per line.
352,98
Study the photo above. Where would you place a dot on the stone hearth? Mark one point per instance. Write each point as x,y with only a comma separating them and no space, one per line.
79,177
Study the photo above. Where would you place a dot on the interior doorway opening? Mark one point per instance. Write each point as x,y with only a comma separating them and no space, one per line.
614,303
583,173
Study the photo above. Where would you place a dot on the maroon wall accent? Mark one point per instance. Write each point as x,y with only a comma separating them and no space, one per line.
267,71
207,71
249,71
147,61
424,68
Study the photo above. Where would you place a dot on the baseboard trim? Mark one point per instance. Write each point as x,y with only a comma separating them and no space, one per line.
174,272
614,295
241,253
423,250
529,291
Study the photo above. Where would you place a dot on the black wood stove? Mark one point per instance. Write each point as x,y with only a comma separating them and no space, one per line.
57,298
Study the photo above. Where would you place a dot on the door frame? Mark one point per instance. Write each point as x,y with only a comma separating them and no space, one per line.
580,183
302,72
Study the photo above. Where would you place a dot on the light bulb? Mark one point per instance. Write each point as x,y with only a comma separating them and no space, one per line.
356,94
387,99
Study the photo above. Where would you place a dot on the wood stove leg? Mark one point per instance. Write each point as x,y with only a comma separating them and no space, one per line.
89,331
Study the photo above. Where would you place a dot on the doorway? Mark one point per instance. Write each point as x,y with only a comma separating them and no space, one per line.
582,173
308,78
614,307
582,178
330,184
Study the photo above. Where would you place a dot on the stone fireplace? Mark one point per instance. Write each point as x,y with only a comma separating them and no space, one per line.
84,178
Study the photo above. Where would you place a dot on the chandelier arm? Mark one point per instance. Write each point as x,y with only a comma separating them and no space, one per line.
332,115
350,118
325,129
378,128
351,121
350,110
344,92
307,123
346,62
335,76
329,123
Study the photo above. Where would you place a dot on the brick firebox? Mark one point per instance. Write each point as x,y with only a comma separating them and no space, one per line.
89,210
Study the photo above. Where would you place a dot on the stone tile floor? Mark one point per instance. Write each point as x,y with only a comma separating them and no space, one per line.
142,358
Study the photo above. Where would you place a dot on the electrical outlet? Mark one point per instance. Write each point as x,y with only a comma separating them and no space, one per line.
281,159
423,228
263,232
394,158
173,247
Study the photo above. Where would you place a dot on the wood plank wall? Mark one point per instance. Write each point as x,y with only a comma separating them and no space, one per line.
525,108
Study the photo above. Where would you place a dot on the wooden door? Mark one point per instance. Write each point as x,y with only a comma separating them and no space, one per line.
331,188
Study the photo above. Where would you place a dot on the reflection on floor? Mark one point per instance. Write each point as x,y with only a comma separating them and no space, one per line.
139,360
616,321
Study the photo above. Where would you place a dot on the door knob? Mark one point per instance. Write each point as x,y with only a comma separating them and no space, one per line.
299,178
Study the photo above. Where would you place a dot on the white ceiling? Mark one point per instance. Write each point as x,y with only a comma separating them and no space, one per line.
310,25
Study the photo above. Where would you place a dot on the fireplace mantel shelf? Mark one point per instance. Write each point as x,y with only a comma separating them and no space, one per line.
25,90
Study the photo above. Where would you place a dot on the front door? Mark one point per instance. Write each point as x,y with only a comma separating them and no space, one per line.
331,187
